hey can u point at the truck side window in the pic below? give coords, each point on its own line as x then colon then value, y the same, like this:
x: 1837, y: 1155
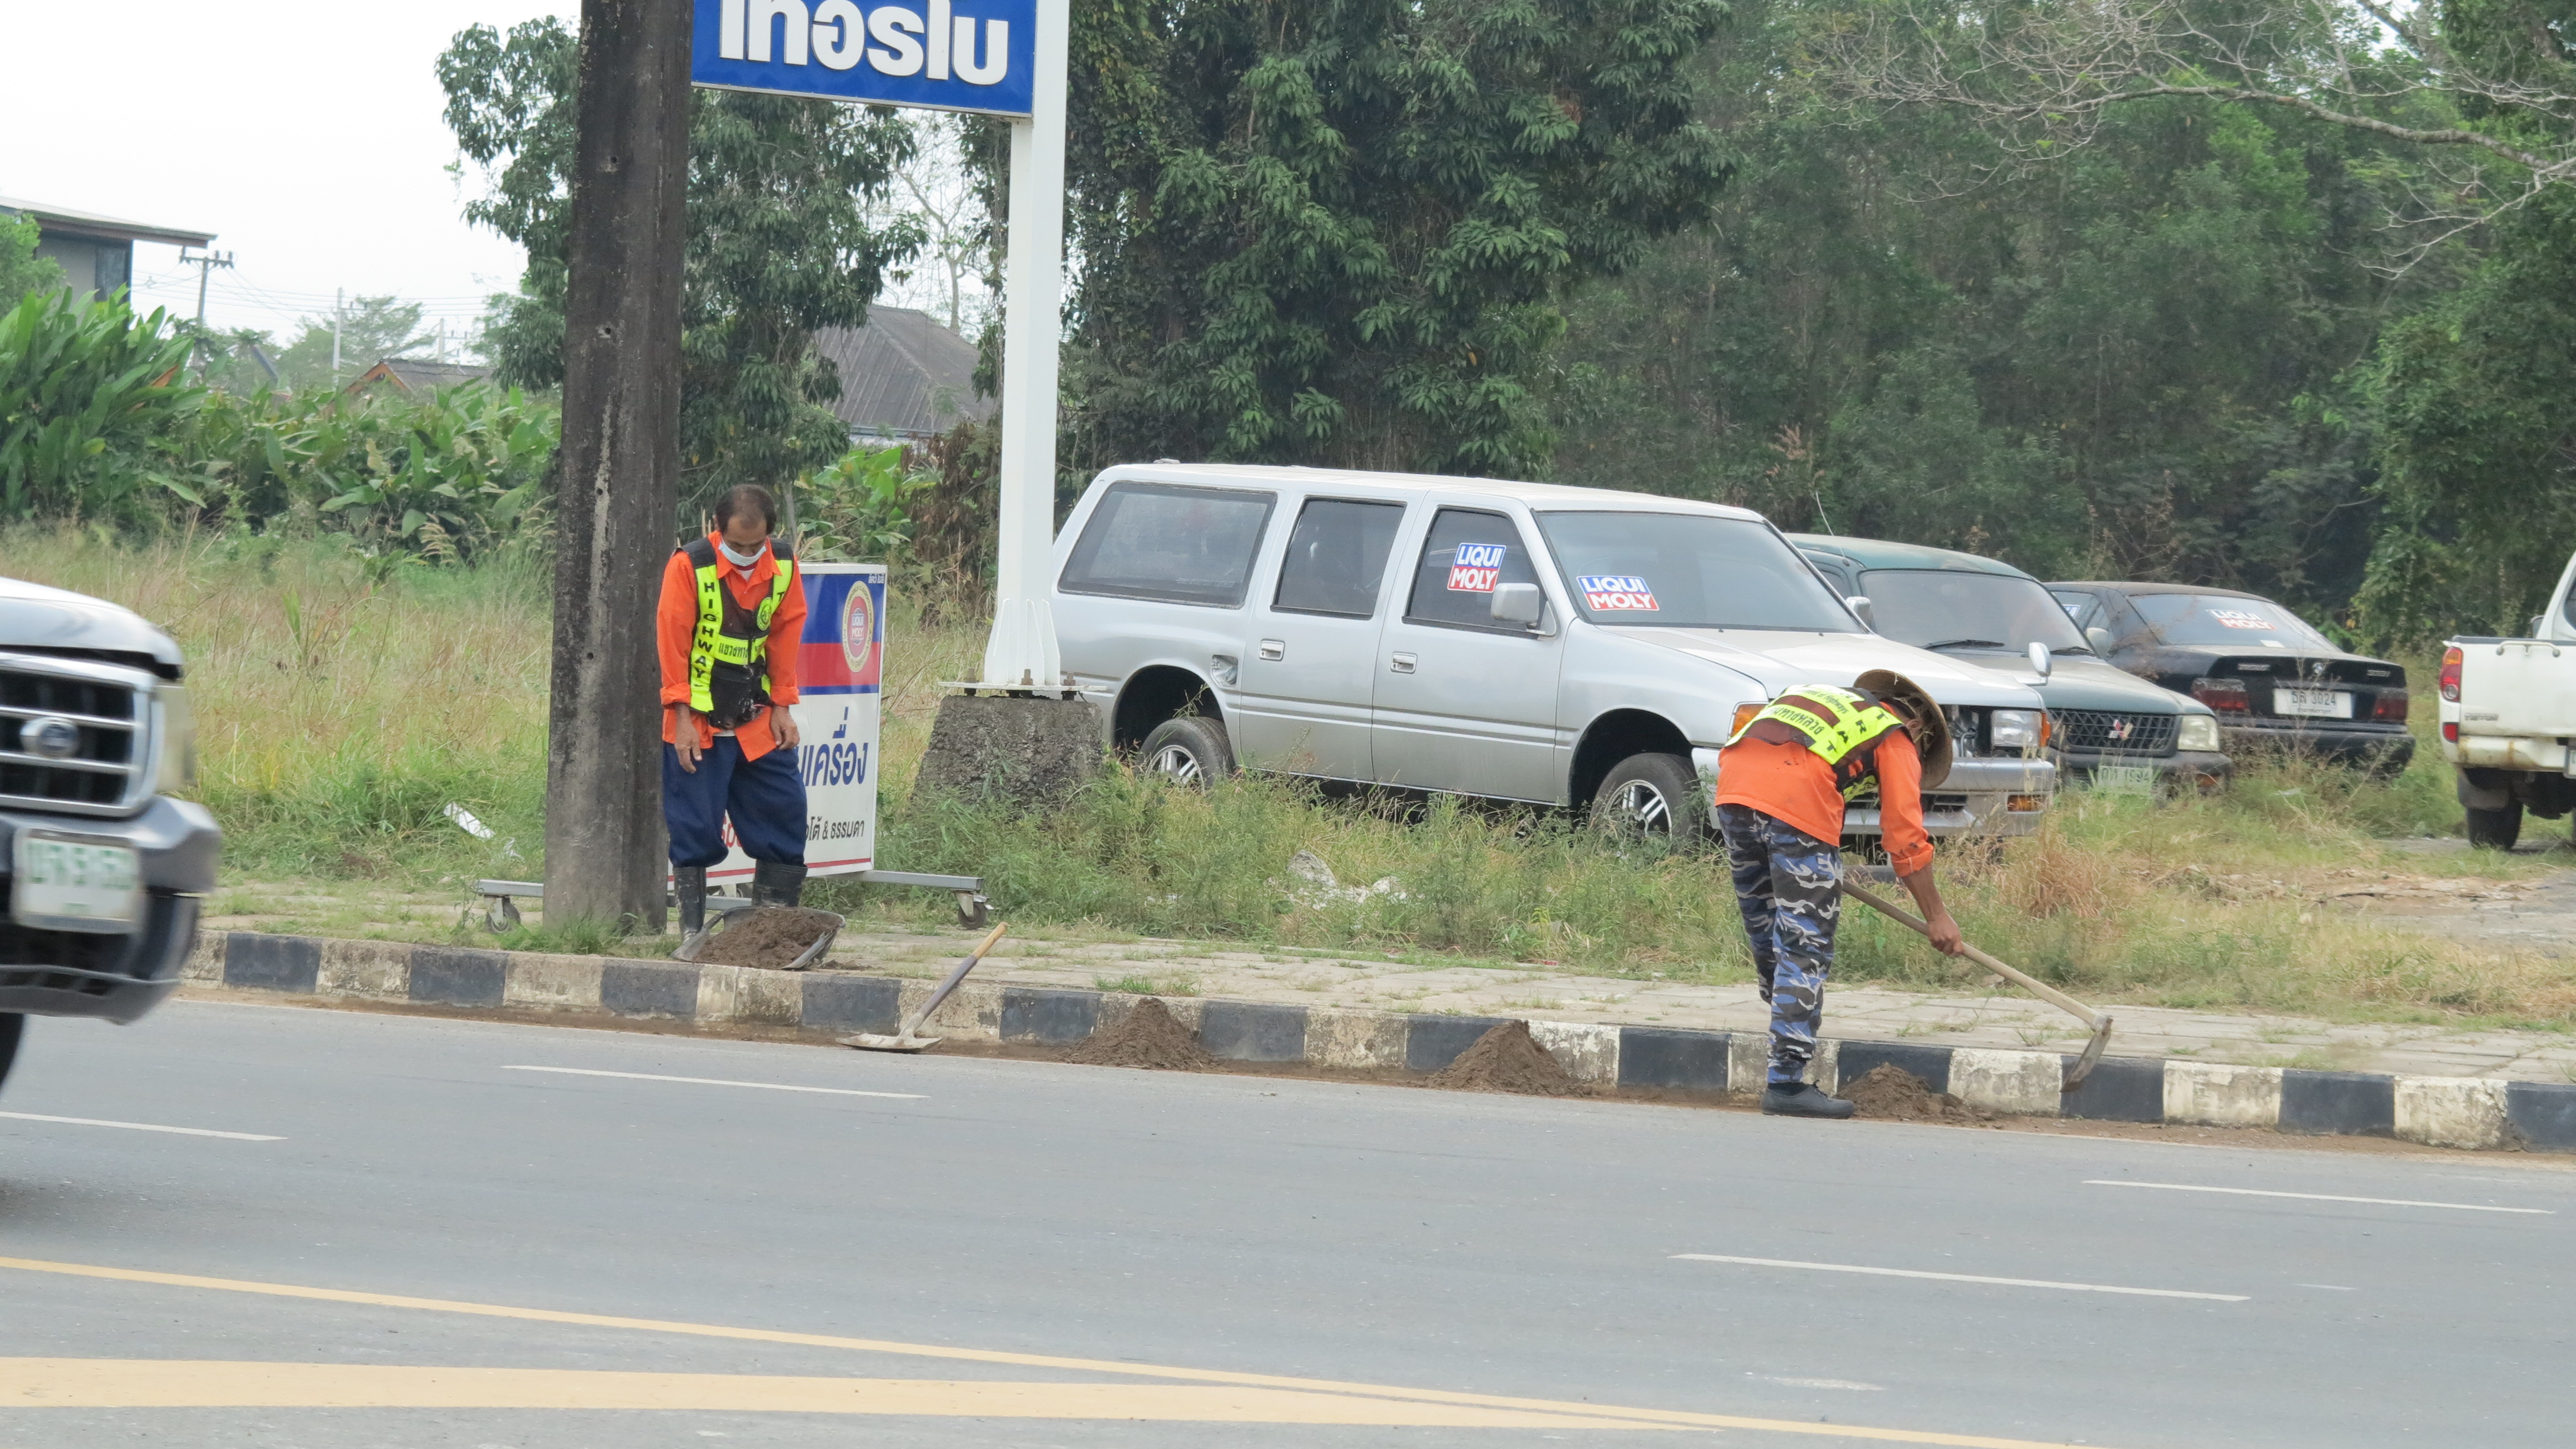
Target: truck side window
x: 1167, y: 541
x: 1336, y: 557
x: 1467, y: 554
x: 2083, y: 608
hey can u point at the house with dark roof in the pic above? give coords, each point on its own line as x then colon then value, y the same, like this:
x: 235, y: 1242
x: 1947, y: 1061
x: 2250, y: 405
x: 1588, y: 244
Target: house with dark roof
x: 413, y: 374
x: 95, y: 252
x: 903, y: 375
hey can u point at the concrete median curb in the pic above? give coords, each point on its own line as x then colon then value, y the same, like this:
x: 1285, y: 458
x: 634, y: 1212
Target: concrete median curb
x: 2466, y: 1112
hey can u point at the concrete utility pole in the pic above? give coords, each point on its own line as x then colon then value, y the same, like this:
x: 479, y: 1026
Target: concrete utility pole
x: 619, y: 462
x: 205, y: 265
x: 339, y: 309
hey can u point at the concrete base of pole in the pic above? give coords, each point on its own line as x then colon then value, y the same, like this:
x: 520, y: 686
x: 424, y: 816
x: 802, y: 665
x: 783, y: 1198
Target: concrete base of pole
x: 1021, y: 751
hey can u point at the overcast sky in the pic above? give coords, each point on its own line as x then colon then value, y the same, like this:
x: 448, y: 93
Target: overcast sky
x: 304, y: 133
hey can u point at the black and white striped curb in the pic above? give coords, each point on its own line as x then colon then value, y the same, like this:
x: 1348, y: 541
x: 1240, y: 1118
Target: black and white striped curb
x: 2469, y: 1112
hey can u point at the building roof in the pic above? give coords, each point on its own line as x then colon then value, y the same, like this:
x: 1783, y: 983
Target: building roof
x: 903, y: 374
x: 413, y: 374
x: 1877, y: 553
x: 106, y: 228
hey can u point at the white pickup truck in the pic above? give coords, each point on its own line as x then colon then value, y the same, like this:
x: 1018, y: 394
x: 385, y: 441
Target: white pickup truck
x: 2508, y: 709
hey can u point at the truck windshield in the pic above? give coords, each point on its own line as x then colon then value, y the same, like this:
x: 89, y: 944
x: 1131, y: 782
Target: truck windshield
x: 1941, y: 606
x: 1689, y: 571
x: 2230, y: 623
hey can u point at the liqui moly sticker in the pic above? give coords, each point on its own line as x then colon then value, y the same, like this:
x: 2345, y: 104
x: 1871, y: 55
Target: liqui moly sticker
x: 2240, y: 619
x: 1613, y: 593
x: 1477, y: 568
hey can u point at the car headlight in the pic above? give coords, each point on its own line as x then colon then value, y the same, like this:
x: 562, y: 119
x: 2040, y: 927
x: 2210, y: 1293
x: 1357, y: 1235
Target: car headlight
x: 2197, y: 732
x: 178, y: 740
x: 2013, y: 729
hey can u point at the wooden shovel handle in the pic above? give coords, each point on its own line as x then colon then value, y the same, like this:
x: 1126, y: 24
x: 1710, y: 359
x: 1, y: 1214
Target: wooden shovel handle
x: 2026, y: 982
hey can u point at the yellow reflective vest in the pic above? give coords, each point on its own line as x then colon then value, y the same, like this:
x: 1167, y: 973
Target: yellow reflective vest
x: 1842, y: 727
x: 729, y: 655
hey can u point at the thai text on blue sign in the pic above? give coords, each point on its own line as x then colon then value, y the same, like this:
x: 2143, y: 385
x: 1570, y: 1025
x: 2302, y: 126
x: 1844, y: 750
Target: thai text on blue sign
x: 950, y: 55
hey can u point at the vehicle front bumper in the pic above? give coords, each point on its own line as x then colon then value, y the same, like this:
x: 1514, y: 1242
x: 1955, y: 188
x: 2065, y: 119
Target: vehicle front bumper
x: 2182, y: 767
x: 1978, y: 798
x: 115, y: 976
x: 2388, y: 747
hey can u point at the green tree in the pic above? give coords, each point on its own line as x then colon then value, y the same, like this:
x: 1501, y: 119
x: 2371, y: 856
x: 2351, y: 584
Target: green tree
x: 779, y: 245
x: 371, y: 329
x: 21, y: 270
x: 92, y: 404
x: 1338, y: 232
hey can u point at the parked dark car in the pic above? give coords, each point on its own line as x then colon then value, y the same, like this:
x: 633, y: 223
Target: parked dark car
x: 2274, y: 681
x: 2105, y: 724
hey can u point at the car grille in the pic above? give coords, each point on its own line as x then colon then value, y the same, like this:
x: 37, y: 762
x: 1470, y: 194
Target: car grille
x: 2115, y: 732
x: 103, y: 772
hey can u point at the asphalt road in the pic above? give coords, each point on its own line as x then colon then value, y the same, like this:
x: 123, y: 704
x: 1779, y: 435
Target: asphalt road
x: 1023, y: 1254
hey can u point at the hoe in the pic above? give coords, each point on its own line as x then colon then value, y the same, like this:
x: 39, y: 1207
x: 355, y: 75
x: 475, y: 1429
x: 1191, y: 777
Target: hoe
x: 2098, y: 1021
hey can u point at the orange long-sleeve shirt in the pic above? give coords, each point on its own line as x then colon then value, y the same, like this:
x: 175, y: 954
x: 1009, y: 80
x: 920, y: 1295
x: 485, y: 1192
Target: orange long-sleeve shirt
x: 1791, y: 782
x: 676, y: 623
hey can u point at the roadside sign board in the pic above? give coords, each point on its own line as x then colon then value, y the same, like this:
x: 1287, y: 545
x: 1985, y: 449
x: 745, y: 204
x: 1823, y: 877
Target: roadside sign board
x: 947, y: 55
x: 840, y: 666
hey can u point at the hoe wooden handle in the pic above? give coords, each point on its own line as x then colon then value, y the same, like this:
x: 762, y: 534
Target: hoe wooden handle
x: 2034, y: 986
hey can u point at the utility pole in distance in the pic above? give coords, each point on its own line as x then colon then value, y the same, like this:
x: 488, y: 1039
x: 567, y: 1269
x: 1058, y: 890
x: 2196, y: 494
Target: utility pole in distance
x: 617, y: 483
x: 205, y: 265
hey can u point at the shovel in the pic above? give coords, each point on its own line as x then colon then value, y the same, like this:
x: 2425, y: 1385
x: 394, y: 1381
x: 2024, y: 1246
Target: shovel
x: 2098, y: 1021
x: 904, y: 1040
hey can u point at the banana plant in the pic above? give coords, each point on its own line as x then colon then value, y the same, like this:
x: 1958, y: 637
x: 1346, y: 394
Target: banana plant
x: 93, y: 408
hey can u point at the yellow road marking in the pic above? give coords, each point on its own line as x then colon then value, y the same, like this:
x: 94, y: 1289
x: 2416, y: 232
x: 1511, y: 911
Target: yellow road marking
x: 1634, y: 1416
x: 107, y: 1383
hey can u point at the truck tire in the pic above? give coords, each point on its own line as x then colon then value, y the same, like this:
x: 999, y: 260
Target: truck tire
x: 1652, y: 796
x: 1188, y: 750
x: 2495, y: 829
x: 13, y: 1027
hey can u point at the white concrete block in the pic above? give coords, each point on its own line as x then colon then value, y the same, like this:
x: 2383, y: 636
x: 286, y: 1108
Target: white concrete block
x: 540, y: 979
x: 2216, y: 1095
x: 1748, y: 1063
x: 1346, y: 1038
x: 2025, y: 1084
x: 2451, y: 1111
x: 1589, y: 1052
x: 364, y: 968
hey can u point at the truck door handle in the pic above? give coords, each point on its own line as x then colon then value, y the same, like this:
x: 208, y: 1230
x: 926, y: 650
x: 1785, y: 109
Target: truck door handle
x: 1401, y: 663
x: 1274, y: 648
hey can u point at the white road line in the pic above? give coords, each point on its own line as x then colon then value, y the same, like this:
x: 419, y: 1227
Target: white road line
x: 2466, y: 1207
x: 1962, y: 1277
x: 720, y: 1082
x: 142, y: 1127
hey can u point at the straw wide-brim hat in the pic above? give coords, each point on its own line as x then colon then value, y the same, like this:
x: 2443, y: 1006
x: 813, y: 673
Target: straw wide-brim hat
x: 1932, y: 728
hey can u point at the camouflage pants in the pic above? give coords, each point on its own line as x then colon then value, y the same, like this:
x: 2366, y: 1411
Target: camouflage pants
x: 1789, y: 885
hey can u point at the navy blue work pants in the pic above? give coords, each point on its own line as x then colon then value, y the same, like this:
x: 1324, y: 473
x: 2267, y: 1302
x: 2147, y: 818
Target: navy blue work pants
x: 766, y: 798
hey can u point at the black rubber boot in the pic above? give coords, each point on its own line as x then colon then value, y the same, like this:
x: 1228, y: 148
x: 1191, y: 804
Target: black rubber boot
x: 689, y: 887
x: 1798, y: 1099
x: 776, y: 883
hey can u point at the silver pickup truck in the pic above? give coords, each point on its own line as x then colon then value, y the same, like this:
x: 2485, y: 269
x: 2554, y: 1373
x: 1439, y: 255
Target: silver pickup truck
x: 1514, y: 641
x: 103, y: 869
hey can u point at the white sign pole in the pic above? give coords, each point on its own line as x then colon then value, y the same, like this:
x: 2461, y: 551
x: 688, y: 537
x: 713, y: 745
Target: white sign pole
x: 1022, y: 651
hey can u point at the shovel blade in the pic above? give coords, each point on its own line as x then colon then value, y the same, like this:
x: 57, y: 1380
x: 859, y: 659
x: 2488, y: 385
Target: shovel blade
x: 868, y: 1041
x: 2092, y: 1056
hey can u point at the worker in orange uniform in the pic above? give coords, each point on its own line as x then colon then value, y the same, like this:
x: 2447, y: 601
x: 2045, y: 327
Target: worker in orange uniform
x: 729, y: 621
x: 1782, y: 783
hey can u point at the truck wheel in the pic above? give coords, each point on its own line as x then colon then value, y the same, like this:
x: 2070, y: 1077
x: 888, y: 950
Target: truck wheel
x: 1189, y: 750
x: 13, y: 1026
x: 1653, y: 796
x: 2495, y: 829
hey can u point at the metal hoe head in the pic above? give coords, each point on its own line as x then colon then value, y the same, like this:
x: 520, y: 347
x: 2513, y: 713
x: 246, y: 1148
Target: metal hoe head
x: 2083, y: 1065
x: 909, y: 1039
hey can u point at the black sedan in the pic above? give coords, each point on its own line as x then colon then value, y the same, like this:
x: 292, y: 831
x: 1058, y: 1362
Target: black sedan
x: 2273, y: 680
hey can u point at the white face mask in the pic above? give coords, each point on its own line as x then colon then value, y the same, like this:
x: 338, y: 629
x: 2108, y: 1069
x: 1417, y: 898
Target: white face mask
x: 742, y: 560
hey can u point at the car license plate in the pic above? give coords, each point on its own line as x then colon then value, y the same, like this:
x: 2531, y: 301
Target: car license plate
x: 68, y: 884
x: 2312, y: 703
x: 2125, y: 779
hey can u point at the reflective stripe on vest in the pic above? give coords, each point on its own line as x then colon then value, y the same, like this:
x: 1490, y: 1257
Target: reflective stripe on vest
x: 712, y: 645
x: 1840, y: 727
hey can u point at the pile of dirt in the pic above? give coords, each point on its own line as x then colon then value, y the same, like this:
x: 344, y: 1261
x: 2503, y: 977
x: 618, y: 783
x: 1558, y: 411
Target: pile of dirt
x: 765, y: 936
x: 1147, y: 1036
x: 1509, y: 1059
x: 1888, y: 1091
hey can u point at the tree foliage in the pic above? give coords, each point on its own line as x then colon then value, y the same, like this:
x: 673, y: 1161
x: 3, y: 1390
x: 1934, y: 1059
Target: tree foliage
x: 370, y: 329
x: 21, y: 270
x: 779, y: 245
x: 1337, y: 232
x: 91, y: 401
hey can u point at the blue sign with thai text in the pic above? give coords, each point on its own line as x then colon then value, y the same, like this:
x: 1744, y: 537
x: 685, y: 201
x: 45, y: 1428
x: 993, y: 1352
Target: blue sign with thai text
x: 948, y: 55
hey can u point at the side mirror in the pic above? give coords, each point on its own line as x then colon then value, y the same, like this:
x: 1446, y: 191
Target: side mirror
x: 1859, y: 604
x: 1517, y: 604
x: 2099, y: 638
x: 2040, y: 659
x: 2539, y: 624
